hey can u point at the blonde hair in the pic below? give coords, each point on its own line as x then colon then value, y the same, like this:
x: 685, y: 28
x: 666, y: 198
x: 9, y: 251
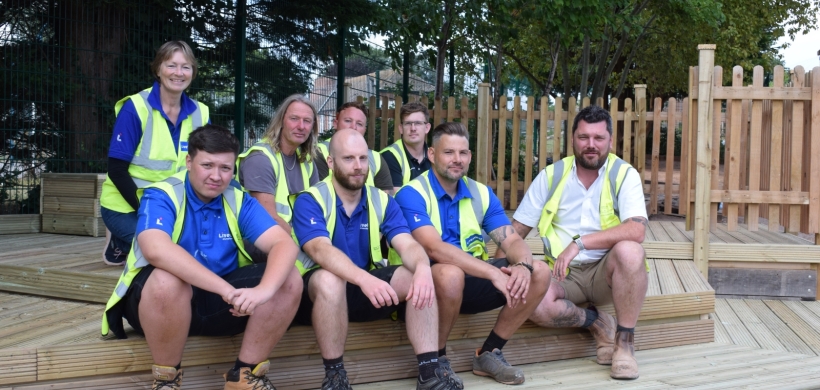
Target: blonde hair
x: 273, y: 133
x: 167, y: 50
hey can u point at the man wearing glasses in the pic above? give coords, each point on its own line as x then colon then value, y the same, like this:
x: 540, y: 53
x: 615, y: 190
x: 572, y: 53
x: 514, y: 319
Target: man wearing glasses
x: 407, y: 157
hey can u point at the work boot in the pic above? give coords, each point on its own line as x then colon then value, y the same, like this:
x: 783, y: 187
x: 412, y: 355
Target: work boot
x: 166, y: 378
x: 603, y: 330
x: 336, y: 379
x: 247, y: 378
x: 624, y: 364
x: 494, y: 365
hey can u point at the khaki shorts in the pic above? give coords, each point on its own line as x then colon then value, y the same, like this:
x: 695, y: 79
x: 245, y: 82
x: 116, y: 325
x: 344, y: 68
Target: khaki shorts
x: 587, y: 283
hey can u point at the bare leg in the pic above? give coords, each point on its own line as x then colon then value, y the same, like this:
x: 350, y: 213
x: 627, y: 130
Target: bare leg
x: 556, y: 312
x: 510, y: 319
x: 270, y: 320
x: 449, y: 282
x: 165, y: 316
x: 422, y: 324
x: 626, y: 273
x: 328, y: 293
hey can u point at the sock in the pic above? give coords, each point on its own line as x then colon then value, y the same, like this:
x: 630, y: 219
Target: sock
x: 178, y: 366
x: 334, y: 364
x: 239, y: 364
x: 443, y: 351
x: 493, y: 341
x: 592, y: 315
x: 428, y: 362
x: 627, y: 330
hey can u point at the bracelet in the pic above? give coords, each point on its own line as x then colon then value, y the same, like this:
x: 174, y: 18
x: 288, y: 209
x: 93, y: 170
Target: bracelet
x: 525, y: 265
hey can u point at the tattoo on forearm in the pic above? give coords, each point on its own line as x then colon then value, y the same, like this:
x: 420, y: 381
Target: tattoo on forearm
x: 640, y: 220
x: 501, y: 234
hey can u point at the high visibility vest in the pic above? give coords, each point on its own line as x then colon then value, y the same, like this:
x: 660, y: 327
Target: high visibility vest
x: 325, y: 195
x: 174, y: 187
x: 156, y: 157
x: 471, y: 214
x: 614, y: 175
x: 282, y: 192
x: 374, y: 161
x: 397, y: 150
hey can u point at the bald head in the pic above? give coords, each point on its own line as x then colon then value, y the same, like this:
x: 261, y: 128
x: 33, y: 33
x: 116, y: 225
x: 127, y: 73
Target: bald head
x: 347, y: 141
x: 347, y: 158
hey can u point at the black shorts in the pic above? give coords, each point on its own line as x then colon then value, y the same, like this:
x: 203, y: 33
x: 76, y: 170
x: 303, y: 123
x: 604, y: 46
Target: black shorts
x: 359, y: 307
x: 210, y: 315
x: 480, y: 295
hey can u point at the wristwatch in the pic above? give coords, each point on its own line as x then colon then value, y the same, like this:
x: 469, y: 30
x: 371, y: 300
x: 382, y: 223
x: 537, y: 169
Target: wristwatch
x: 577, y: 240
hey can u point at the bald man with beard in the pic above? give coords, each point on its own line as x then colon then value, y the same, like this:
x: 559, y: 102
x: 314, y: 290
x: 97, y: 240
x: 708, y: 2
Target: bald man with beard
x: 339, y: 223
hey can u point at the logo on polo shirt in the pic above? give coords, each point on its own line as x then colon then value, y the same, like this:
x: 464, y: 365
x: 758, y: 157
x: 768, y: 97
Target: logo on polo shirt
x: 225, y: 236
x: 119, y: 137
x: 363, y: 226
x: 159, y: 221
x: 416, y: 218
x: 183, y: 146
x: 312, y: 222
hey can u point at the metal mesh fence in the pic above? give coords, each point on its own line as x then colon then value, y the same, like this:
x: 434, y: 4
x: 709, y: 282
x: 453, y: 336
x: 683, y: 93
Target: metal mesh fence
x: 67, y: 62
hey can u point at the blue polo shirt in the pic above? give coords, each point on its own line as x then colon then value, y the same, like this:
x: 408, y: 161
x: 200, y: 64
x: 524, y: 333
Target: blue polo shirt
x: 415, y: 211
x: 351, y: 234
x: 128, y: 128
x: 205, y: 234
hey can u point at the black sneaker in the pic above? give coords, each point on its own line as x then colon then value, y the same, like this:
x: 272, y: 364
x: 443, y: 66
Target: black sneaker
x: 441, y: 381
x: 113, y: 255
x: 336, y: 380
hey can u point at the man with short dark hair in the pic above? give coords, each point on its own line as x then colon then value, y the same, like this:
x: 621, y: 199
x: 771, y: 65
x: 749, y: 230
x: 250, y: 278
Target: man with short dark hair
x: 189, y: 272
x: 339, y: 223
x: 590, y: 212
x: 407, y: 157
x: 353, y: 115
x: 447, y: 213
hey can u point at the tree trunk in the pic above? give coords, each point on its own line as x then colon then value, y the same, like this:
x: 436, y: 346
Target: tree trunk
x: 584, y: 68
x: 90, y: 38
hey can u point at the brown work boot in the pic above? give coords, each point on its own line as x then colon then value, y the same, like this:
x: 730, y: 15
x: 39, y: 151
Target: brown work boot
x: 603, y: 330
x: 166, y: 378
x: 246, y: 378
x: 624, y: 365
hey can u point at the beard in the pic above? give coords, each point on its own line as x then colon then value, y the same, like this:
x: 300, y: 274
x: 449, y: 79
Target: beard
x: 347, y: 182
x: 446, y: 174
x: 594, y: 164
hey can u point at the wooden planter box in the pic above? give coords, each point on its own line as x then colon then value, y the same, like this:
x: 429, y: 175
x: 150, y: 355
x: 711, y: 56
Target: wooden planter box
x: 70, y: 203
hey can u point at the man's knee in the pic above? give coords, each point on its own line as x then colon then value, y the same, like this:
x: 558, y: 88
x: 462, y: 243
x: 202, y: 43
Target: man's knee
x: 293, y: 285
x: 551, y: 306
x: 541, y: 272
x: 162, y: 286
x: 449, y: 281
x: 629, y: 255
x: 326, y: 286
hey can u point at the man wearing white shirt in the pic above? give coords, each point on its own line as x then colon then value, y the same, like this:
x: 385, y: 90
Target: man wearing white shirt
x: 590, y: 212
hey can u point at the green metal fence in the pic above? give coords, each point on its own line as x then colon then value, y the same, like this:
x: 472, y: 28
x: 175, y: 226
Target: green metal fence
x: 66, y: 63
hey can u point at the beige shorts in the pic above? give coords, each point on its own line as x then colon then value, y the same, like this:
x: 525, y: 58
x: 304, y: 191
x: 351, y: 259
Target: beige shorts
x: 587, y: 283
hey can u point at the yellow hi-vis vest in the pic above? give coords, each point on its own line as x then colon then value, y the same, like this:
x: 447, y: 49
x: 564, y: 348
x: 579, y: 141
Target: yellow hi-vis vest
x: 156, y: 157
x: 174, y: 187
x: 397, y: 150
x: 374, y: 161
x: 471, y: 213
x: 608, y: 207
x: 282, y: 192
x: 325, y: 195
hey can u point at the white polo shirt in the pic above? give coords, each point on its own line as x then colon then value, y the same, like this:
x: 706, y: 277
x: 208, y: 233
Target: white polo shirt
x: 578, y: 210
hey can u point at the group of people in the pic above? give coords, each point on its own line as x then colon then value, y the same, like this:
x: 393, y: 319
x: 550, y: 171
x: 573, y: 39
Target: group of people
x: 218, y: 241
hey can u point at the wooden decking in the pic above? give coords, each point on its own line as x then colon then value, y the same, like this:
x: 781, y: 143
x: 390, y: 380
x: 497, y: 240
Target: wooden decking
x: 758, y: 345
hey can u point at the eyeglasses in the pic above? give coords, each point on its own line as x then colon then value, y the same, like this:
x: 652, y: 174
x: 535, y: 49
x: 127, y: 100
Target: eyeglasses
x: 410, y: 125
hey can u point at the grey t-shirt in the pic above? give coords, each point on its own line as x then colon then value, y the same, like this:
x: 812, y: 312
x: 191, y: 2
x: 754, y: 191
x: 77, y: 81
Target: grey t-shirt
x: 256, y: 174
x: 382, y: 180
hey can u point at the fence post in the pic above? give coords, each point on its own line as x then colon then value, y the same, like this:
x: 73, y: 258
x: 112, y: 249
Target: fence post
x: 239, y: 75
x: 482, y: 152
x: 703, y: 171
x: 640, y: 133
x: 348, y: 95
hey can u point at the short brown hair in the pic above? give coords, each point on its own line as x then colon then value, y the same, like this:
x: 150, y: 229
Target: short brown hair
x: 212, y: 139
x: 359, y: 106
x: 450, y: 128
x: 412, y: 108
x: 167, y: 50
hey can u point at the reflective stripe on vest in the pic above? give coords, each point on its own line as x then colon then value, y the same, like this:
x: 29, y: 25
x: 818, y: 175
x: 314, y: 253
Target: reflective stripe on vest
x: 174, y: 187
x: 282, y: 191
x: 156, y: 157
x: 608, y: 205
x: 326, y: 197
x: 397, y: 150
x: 471, y: 214
x: 374, y: 161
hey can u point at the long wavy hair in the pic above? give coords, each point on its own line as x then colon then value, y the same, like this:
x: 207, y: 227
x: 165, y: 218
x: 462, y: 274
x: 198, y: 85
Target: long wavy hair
x: 273, y: 133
